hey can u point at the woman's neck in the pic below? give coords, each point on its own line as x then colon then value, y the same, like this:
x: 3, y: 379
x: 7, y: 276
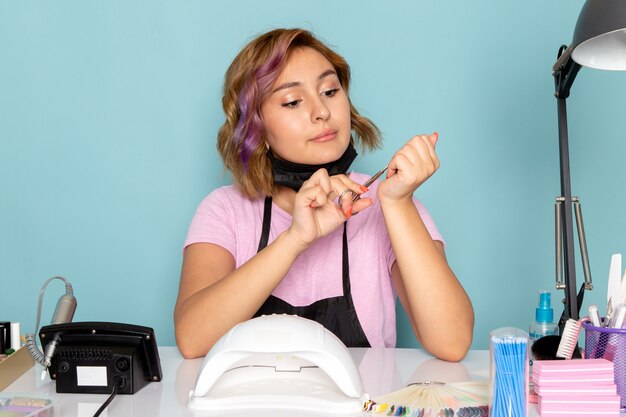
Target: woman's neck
x: 285, y: 199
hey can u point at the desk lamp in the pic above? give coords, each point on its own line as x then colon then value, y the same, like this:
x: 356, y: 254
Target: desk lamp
x: 599, y: 42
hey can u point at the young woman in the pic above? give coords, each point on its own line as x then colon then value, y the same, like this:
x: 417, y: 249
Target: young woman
x: 291, y: 236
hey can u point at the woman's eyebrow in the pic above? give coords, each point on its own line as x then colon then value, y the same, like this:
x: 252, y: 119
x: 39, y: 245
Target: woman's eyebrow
x: 286, y: 85
x: 327, y: 73
x: 297, y: 83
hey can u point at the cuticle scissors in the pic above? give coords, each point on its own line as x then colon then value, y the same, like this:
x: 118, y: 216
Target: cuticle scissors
x: 369, y: 182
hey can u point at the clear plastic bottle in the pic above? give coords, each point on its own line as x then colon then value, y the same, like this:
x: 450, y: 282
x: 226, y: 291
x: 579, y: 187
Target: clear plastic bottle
x: 544, y: 324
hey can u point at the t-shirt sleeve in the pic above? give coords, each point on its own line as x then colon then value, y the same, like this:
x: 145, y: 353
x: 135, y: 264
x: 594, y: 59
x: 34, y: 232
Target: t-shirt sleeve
x: 213, y: 222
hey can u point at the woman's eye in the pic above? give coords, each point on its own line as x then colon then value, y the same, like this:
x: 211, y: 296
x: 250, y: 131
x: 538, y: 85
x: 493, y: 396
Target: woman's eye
x: 291, y: 104
x: 331, y: 92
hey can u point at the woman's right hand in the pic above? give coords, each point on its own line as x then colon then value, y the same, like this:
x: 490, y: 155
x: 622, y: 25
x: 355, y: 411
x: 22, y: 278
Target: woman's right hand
x: 317, y: 211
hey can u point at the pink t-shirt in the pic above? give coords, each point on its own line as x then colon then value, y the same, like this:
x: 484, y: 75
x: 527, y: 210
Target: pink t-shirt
x: 229, y: 219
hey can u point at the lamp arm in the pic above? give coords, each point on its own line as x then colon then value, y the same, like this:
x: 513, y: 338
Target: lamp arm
x: 564, y: 70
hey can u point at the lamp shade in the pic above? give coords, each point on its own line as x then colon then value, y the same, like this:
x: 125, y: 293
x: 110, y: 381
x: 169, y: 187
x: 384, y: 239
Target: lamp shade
x: 600, y: 35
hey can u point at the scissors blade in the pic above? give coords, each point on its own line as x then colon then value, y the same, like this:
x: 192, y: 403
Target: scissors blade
x: 370, y: 182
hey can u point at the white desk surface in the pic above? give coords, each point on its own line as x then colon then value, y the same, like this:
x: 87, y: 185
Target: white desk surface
x: 382, y: 371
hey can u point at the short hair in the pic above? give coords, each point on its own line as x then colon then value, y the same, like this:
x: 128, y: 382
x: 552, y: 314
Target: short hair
x: 247, y: 83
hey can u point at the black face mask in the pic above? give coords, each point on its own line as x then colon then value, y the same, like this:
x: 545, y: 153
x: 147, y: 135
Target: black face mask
x: 292, y: 175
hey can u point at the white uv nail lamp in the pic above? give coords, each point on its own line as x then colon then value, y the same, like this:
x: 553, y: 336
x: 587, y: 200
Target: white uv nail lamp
x: 278, y: 362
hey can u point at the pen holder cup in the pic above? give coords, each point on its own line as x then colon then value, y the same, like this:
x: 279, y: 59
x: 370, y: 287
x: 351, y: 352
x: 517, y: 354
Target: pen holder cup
x: 607, y: 343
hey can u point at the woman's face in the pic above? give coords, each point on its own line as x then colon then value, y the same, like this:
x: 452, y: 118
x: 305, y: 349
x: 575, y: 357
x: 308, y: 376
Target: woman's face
x: 307, y: 114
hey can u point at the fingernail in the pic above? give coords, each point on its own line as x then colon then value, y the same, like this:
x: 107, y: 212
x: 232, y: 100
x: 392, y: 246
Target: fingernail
x: 348, y: 212
x: 436, y: 135
x: 363, y: 188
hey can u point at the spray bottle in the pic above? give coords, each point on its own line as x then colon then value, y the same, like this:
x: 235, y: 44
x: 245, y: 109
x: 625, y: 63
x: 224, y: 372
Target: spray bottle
x: 544, y: 324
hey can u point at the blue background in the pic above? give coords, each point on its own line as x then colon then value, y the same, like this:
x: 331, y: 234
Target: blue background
x: 109, y: 113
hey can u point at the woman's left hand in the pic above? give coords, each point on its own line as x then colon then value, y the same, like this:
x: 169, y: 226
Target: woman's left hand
x: 409, y: 167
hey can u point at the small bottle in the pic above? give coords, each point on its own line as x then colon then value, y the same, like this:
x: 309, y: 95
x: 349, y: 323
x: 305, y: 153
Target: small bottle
x: 544, y: 316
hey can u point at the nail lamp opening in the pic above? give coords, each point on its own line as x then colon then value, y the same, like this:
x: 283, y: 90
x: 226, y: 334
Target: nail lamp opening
x: 278, y: 362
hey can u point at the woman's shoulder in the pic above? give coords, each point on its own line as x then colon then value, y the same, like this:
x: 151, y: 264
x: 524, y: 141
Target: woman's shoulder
x: 228, y: 195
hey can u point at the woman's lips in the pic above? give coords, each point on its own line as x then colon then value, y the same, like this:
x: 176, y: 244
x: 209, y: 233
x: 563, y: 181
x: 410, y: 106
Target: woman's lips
x: 325, y: 136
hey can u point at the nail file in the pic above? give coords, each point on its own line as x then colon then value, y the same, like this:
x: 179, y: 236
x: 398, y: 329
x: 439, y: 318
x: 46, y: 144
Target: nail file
x: 622, y: 297
x: 615, y: 275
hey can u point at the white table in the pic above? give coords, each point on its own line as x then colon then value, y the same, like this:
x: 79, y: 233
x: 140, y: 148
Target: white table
x: 382, y: 371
